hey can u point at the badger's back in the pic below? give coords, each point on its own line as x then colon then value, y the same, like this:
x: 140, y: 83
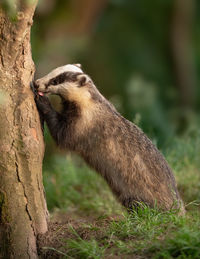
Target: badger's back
x: 128, y: 160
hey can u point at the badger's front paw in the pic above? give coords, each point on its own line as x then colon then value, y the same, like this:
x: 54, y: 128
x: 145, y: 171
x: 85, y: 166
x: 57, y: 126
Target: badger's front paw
x: 43, y: 104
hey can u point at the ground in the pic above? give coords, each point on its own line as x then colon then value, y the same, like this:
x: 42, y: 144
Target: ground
x: 88, y: 222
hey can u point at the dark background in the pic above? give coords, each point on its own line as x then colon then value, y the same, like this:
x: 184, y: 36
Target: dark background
x: 144, y: 56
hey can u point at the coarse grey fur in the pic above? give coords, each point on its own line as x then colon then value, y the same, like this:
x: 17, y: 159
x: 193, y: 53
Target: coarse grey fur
x: 116, y: 148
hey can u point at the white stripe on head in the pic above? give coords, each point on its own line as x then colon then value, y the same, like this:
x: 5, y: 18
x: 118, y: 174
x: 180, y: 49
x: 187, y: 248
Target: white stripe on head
x: 56, y: 72
x: 60, y: 70
x: 71, y: 68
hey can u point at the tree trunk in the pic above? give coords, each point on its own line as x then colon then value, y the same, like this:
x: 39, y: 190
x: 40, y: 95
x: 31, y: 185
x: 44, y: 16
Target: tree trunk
x: 23, y: 211
x: 181, y: 42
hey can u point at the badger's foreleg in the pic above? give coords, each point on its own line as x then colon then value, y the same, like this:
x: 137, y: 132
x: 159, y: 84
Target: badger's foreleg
x: 53, y: 119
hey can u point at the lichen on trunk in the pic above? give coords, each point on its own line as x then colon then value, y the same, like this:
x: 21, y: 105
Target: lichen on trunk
x: 23, y: 211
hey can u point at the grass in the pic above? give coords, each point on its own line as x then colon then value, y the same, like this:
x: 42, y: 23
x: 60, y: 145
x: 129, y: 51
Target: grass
x: 98, y: 227
x: 84, y: 248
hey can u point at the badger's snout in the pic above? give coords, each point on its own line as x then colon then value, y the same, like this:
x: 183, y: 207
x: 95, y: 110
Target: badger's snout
x: 37, y: 88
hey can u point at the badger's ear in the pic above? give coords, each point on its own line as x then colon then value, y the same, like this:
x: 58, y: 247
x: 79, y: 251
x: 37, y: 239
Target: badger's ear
x: 78, y: 65
x: 83, y: 80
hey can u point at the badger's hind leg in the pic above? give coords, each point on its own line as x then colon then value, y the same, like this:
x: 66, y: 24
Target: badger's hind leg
x: 133, y: 204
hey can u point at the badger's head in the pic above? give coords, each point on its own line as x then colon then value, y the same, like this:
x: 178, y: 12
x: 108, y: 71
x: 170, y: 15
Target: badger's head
x: 68, y: 81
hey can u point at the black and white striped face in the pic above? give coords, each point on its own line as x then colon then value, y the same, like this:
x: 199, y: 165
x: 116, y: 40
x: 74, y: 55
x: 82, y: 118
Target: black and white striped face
x: 63, y: 81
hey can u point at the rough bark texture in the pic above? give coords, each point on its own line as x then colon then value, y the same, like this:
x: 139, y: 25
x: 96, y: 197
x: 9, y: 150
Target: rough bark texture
x: 23, y: 211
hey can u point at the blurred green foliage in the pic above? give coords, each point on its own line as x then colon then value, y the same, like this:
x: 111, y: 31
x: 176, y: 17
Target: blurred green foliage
x: 12, y: 6
x: 126, y: 47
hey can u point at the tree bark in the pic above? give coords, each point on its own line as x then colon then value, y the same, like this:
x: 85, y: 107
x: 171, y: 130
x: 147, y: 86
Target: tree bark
x: 23, y: 211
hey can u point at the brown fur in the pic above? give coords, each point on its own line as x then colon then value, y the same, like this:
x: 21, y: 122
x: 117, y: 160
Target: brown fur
x: 116, y: 148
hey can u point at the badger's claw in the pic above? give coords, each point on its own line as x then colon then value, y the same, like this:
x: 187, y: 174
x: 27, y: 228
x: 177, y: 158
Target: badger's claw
x: 43, y: 104
x: 33, y: 89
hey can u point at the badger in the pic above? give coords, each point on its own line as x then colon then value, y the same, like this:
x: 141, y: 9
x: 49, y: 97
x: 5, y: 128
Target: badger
x: 90, y: 126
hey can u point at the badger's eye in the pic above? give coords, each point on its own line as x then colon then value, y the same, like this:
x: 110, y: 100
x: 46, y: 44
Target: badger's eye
x: 56, y: 81
x: 59, y: 79
x: 64, y: 77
